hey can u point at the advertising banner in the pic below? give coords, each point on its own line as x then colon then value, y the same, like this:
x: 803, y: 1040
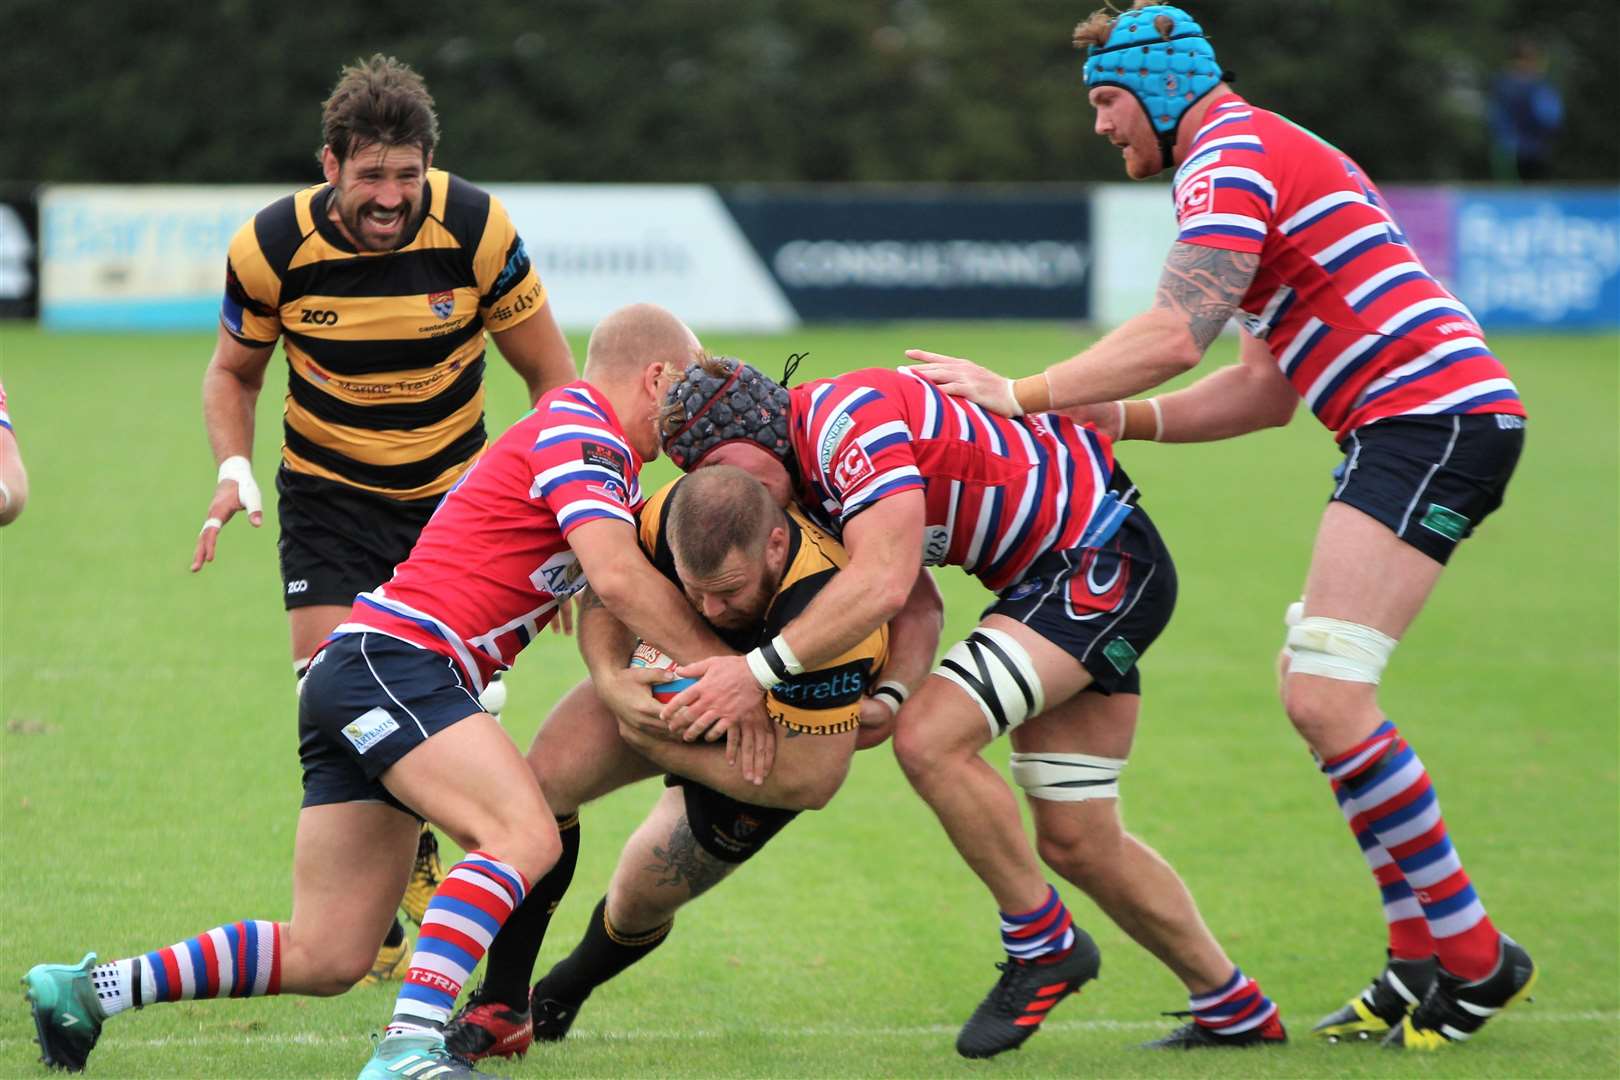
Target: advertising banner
x: 601, y: 246
x: 19, y: 252
x: 139, y: 257
x: 1532, y: 259
x: 923, y: 253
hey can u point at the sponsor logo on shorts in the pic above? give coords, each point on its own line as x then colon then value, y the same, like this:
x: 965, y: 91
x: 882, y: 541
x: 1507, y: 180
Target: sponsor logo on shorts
x: 441, y: 304
x: 1027, y: 587
x: 561, y: 575
x: 1120, y: 653
x: 1445, y: 521
x: 296, y: 587
x: 369, y: 728
x: 1505, y: 422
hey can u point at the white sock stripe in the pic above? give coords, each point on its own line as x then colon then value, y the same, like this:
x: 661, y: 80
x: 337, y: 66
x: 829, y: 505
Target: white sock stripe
x: 439, y: 964
x: 421, y: 1009
x: 1377, y: 856
x: 458, y: 923
x: 1435, y: 872
x: 1407, y: 907
x: 1459, y: 922
x: 1367, y: 802
x: 1409, y: 830
x: 226, y: 961
x: 267, y: 957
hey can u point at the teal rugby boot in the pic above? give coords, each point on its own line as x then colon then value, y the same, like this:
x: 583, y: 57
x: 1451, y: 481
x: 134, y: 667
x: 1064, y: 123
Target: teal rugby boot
x: 420, y: 1057
x: 67, y: 1014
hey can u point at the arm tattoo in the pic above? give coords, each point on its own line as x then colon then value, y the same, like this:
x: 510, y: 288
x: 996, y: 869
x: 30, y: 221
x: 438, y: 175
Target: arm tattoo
x: 1205, y: 285
x: 683, y: 863
x: 588, y: 600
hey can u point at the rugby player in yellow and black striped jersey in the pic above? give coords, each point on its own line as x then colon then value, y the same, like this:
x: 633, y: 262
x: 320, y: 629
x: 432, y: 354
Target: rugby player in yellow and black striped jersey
x: 380, y: 283
x: 746, y: 566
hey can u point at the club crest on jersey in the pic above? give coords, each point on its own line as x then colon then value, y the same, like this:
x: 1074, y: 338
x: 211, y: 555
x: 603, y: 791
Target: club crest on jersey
x: 610, y: 489
x: 1194, y: 196
x: 853, y: 467
x: 442, y: 304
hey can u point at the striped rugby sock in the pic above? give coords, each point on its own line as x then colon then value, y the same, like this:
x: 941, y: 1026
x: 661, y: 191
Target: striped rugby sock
x: 465, y: 914
x: 241, y: 959
x: 1391, y: 791
x: 1238, y: 1006
x: 1409, y: 937
x: 1046, y: 933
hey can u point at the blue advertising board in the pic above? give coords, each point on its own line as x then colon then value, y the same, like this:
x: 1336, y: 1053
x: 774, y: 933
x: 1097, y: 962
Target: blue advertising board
x: 1539, y: 259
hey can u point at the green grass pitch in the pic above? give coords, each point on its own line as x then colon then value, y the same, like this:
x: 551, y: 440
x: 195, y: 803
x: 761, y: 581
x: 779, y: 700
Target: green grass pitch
x: 150, y: 782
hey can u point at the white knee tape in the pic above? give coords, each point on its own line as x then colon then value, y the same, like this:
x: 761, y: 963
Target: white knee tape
x: 1067, y: 777
x: 1335, y: 649
x: 1291, y: 618
x: 998, y: 675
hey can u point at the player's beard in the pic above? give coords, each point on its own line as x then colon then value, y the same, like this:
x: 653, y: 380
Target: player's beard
x: 366, y: 235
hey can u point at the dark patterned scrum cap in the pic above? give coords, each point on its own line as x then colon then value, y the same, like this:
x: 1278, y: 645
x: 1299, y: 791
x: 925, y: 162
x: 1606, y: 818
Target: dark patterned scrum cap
x: 719, y: 400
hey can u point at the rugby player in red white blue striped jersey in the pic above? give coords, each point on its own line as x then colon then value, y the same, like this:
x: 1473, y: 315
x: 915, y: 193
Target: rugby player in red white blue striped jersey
x: 1285, y: 232
x: 390, y: 727
x: 13, y: 477
x: 1039, y: 511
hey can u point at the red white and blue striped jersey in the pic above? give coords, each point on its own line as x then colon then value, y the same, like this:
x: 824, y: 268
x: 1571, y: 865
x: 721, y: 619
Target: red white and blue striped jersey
x: 5, y: 417
x: 999, y: 492
x: 491, y: 565
x: 1360, y: 328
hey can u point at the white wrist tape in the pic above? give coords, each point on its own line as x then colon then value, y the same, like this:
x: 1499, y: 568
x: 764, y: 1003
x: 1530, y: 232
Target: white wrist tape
x: 761, y: 669
x: 891, y: 694
x: 1158, y: 419
x: 779, y: 643
x: 1014, y: 409
x: 238, y: 468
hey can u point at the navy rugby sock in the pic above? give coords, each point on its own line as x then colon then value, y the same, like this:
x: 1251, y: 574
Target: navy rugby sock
x: 601, y: 954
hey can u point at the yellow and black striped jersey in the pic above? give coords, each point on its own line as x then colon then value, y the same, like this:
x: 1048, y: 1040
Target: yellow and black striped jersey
x: 823, y: 701
x: 385, y: 350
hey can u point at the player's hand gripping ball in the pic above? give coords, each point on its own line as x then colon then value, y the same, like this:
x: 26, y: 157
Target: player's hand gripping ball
x: 646, y: 655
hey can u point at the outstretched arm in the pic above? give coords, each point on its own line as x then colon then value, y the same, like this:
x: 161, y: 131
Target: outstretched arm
x: 1198, y: 291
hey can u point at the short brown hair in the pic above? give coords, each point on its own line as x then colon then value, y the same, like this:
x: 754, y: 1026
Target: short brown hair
x: 379, y: 100
x: 717, y: 510
x: 1094, y: 31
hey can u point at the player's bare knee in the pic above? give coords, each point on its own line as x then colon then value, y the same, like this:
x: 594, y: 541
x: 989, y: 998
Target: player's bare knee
x: 530, y: 847
x: 1083, y: 856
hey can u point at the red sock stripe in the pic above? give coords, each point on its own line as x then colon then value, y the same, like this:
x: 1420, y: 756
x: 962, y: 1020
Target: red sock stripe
x: 459, y: 888
x: 1400, y: 799
x: 210, y: 972
x: 1035, y: 929
x: 1409, y: 939
x: 241, y: 989
x: 1421, y: 842
x: 1392, y: 738
x: 1446, y: 887
x: 471, y: 862
x: 444, y: 932
x: 171, y: 968
x: 1388, y: 874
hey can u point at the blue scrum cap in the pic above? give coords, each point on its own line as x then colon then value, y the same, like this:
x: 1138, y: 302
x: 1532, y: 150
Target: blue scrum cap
x: 1162, y: 57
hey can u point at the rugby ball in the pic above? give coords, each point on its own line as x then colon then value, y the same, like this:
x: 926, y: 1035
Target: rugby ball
x: 646, y: 655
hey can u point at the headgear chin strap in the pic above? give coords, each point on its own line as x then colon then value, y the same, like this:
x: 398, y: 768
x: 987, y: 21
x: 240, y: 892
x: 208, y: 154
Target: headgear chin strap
x: 1167, y: 73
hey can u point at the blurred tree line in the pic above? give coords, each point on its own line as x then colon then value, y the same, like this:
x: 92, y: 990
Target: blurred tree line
x: 758, y: 90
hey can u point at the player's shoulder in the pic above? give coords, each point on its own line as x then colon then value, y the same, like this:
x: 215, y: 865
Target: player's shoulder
x: 276, y: 232
x: 464, y: 208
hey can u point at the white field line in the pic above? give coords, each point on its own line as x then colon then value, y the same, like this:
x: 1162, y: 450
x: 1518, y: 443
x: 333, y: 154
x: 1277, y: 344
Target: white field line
x: 812, y: 1031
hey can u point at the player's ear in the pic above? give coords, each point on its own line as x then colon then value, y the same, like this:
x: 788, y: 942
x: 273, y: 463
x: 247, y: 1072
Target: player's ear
x: 330, y: 165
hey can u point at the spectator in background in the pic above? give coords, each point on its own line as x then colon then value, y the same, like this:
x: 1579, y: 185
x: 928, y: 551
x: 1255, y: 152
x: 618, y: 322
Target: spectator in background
x: 1526, y: 113
x: 13, y: 477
